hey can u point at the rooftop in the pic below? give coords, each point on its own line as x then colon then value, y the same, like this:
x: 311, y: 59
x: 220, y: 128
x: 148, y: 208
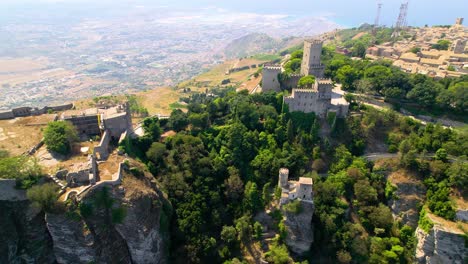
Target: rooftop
x: 86, y: 112
x: 304, y: 180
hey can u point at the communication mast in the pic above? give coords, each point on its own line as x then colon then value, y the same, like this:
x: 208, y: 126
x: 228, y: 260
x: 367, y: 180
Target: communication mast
x: 401, y: 21
x: 377, y: 18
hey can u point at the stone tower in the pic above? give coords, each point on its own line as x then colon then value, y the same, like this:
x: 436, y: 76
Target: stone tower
x: 283, y: 178
x: 311, y: 64
x: 459, y: 46
x: 324, y: 88
x: 459, y: 21
x: 270, y: 80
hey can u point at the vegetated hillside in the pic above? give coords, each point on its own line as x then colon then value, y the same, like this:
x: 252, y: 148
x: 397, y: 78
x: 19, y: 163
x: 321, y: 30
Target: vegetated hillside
x: 257, y: 43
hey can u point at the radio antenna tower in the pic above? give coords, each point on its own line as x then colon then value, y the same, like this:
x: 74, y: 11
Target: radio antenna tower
x: 401, y: 21
x: 377, y: 18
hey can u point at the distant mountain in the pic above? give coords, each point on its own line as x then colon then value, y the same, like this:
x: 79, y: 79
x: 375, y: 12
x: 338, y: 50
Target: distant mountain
x: 256, y: 43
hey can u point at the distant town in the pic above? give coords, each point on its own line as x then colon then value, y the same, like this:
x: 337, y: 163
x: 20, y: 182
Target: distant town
x: 438, y: 52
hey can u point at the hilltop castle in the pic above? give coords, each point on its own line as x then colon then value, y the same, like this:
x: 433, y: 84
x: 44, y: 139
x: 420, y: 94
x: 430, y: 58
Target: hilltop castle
x: 291, y: 190
x: 320, y: 98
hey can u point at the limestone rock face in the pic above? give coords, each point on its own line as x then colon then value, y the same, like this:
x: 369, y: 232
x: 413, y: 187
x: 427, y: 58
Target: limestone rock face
x: 23, y: 234
x: 145, y: 243
x: 462, y: 215
x: 405, y: 207
x: 440, y: 246
x: 137, y: 239
x: 300, y: 234
x: 73, y: 242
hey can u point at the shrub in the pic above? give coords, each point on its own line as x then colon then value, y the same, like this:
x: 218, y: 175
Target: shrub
x: 86, y: 209
x: 59, y: 135
x: 294, y: 207
x: 43, y: 196
x: 118, y: 215
x: 424, y: 222
x: 278, y: 254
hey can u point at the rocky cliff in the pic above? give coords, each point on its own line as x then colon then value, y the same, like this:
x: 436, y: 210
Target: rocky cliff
x: 23, y: 233
x: 408, y: 197
x: 70, y: 235
x: 300, y: 234
x: 440, y: 246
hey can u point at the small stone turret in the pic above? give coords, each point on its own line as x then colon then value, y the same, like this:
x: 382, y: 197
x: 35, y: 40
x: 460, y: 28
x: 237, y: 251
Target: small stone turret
x: 270, y: 81
x: 283, y: 178
x: 324, y: 88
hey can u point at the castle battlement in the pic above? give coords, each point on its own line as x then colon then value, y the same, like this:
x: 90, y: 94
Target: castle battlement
x: 272, y: 67
x: 304, y: 91
x: 314, y: 41
x: 296, y: 75
x: 325, y: 81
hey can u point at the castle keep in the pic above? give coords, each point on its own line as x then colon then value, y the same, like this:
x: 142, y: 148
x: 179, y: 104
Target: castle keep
x: 311, y: 64
x: 321, y: 100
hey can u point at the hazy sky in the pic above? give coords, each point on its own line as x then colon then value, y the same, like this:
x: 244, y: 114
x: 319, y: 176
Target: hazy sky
x: 343, y: 12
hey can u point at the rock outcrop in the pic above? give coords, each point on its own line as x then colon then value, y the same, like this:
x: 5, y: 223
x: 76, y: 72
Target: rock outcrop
x: 23, y: 234
x: 409, y: 195
x: 440, y: 246
x: 139, y: 238
x: 300, y: 234
x: 73, y: 242
x: 27, y: 235
x: 462, y: 215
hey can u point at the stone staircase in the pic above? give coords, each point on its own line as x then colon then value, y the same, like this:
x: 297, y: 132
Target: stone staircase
x: 58, y: 182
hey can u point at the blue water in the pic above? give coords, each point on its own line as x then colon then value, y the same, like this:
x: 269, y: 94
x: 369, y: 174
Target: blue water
x: 344, y: 12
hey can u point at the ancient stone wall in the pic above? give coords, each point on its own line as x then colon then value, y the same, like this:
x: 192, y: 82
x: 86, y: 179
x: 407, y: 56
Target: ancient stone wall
x: 307, y: 101
x: 7, y: 115
x: 28, y: 111
x: 291, y: 82
x: 101, y: 151
x: 270, y: 80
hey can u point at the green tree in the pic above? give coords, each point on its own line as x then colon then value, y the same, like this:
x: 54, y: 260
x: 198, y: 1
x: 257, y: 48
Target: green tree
x: 178, y: 120
x: 156, y: 153
x: 257, y: 230
x: 290, y: 130
x: 306, y: 81
x: 381, y: 217
x: 458, y: 173
x: 243, y: 227
x: 20, y: 168
x: 234, y: 185
x: 441, y: 154
x: 424, y: 93
x: 43, y: 196
x: 252, y: 199
x: 442, y: 44
x: 59, y: 135
x: 152, y: 128
x: 229, y: 234
x: 266, y: 194
x: 278, y: 254
x: 347, y: 75
x: 293, y: 66
x: 297, y: 54
x: 415, y: 50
